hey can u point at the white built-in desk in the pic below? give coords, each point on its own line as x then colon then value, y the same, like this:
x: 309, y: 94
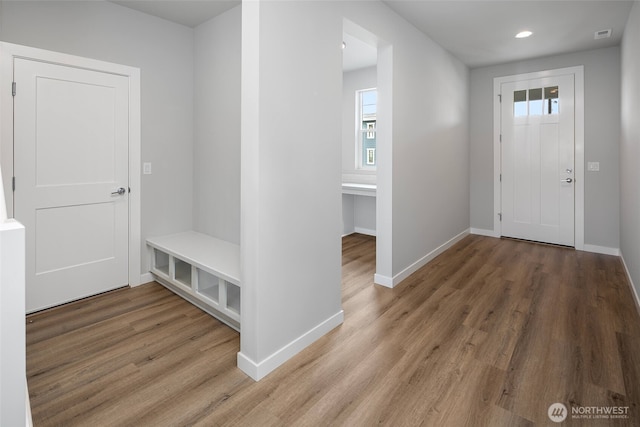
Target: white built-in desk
x: 359, y: 189
x: 202, y: 269
x: 358, y: 208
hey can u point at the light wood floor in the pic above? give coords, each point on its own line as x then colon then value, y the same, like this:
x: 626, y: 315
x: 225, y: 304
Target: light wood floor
x: 490, y: 333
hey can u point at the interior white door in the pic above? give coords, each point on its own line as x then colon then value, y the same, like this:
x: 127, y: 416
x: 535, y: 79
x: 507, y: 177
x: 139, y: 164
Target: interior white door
x: 537, y: 128
x: 71, y: 172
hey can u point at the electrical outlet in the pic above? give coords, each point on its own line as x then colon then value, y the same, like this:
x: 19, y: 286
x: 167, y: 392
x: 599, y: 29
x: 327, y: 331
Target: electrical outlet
x: 146, y: 168
x: 593, y: 166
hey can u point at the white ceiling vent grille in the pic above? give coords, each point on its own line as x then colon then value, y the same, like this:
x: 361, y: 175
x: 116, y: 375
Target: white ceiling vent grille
x: 602, y: 34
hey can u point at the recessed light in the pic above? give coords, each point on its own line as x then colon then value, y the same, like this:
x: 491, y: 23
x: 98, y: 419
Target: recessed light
x: 523, y: 34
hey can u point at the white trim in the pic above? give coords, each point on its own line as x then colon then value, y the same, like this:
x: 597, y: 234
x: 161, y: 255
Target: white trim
x: 484, y: 232
x: 366, y: 231
x: 601, y: 250
x: 27, y: 404
x: 258, y: 370
x: 135, y: 185
x: 384, y: 174
x: 392, y: 282
x: 497, y: 156
x: 578, y: 225
x: 8, y: 52
x: 381, y: 280
x: 6, y: 123
x: 633, y: 288
x: 578, y: 73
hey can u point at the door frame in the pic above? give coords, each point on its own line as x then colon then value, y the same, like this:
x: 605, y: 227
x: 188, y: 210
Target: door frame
x: 578, y: 75
x: 10, y: 51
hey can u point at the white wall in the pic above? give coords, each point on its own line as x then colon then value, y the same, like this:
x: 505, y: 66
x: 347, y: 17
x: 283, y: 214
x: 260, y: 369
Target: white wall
x: 602, y: 137
x: 348, y: 226
x: 353, y: 81
x: 164, y: 53
x: 13, y: 403
x: 630, y: 148
x: 291, y: 198
x: 290, y: 217
x: 290, y: 228
x: 424, y: 187
x: 364, y: 215
x: 216, y: 151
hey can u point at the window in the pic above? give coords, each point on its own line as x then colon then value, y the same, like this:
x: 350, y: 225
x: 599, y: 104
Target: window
x: 366, y: 102
x: 551, y: 100
x: 520, y: 103
x: 532, y: 102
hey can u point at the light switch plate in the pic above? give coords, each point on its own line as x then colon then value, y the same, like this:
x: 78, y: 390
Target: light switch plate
x: 146, y: 168
x: 593, y: 166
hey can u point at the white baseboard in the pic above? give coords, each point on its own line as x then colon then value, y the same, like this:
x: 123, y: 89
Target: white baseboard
x: 633, y: 288
x: 366, y: 231
x: 146, y: 278
x: 587, y: 248
x: 483, y: 232
x: 601, y: 250
x: 392, y: 282
x: 258, y: 370
x: 385, y: 281
x: 27, y: 407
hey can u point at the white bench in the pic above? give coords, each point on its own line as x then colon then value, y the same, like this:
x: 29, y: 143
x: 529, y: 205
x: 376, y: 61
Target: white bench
x: 202, y: 269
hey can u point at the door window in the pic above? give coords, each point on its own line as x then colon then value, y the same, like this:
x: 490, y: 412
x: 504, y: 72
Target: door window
x: 532, y: 102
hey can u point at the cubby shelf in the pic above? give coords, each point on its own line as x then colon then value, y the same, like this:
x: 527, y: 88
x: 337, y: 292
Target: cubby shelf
x: 202, y: 269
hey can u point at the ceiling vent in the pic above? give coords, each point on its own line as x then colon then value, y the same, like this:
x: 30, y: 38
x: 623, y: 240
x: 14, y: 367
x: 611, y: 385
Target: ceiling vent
x: 602, y: 34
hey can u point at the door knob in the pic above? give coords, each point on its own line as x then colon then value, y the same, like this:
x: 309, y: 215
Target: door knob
x: 120, y: 191
x: 569, y: 180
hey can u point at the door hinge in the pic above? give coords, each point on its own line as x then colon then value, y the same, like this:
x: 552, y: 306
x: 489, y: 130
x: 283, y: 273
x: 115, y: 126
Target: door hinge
x: 13, y: 89
x: 500, y: 177
x: 500, y: 216
x: 13, y: 183
x: 500, y: 97
x: 500, y: 137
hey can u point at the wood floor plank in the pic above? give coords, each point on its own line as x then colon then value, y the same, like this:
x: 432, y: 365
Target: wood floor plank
x: 489, y: 333
x: 629, y: 349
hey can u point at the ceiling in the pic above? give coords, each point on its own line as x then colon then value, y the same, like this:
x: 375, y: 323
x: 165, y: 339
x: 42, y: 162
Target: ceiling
x: 483, y: 32
x: 357, y: 54
x: 186, y: 12
x: 478, y: 32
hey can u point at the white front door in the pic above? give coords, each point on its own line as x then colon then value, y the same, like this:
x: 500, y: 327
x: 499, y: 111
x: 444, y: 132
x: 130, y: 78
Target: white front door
x: 70, y: 160
x: 537, y: 159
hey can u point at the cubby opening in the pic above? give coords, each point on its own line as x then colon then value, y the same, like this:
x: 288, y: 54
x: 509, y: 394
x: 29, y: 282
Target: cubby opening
x: 161, y: 262
x: 233, y: 298
x: 183, y: 273
x: 208, y: 285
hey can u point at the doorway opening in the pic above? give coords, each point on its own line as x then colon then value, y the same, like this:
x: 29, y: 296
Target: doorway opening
x: 367, y: 142
x: 359, y: 107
